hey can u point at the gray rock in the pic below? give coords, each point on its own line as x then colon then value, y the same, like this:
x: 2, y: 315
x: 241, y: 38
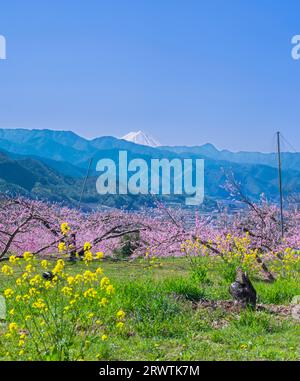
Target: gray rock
x: 2, y: 308
x: 242, y: 290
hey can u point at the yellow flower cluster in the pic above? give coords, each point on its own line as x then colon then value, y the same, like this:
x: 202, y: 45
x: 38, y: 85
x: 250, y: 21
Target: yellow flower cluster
x: 7, y: 270
x: 121, y: 315
x: 87, y: 246
x: 43, y: 309
x: 287, y: 263
x: 99, y: 255
x: 59, y: 267
x: 194, y: 247
x: 65, y: 228
x: 13, y: 259
x: 8, y: 293
x: 40, y: 304
x: 12, y: 327
x: 233, y: 250
x: 120, y: 320
x: 27, y: 256
x: 238, y: 251
x: 152, y: 260
x: 62, y: 247
x: 88, y: 256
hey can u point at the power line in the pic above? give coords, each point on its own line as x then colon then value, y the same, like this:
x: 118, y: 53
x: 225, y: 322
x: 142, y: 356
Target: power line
x: 280, y: 183
x: 85, y: 181
x: 289, y: 144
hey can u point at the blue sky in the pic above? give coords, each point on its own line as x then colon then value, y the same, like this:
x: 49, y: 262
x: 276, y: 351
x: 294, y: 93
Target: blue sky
x: 188, y: 72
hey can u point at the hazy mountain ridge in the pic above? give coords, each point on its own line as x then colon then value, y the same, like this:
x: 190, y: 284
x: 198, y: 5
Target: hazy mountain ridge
x: 289, y: 160
x: 51, y: 164
x: 70, y: 147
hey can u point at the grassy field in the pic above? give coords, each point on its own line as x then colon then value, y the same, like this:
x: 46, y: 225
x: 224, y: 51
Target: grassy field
x: 165, y: 321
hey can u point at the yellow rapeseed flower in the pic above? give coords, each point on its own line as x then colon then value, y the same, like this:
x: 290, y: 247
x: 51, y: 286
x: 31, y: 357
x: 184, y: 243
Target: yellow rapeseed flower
x: 33, y: 291
x: 58, y: 269
x: 70, y: 280
x: 29, y: 268
x: 110, y: 289
x: 26, y: 298
x: 121, y: 315
x: 36, y: 280
x: 103, y: 302
x: 87, y: 246
x: 7, y: 270
x: 89, y: 276
x: 12, y: 327
x: 13, y: 259
x: 48, y: 284
x: 88, y: 256
x: 27, y: 256
x: 104, y: 282
x: 44, y: 264
x: 120, y: 325
x: 78, y: 278
x: 40, y: 305
x: 65, y: 228
x: 62, y: 247
x: 67, y: 291
x: 99, y: 255
x: 90, y: 293
x: 8, y: 293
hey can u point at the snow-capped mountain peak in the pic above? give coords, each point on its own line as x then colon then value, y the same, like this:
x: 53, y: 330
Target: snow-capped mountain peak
x: 141, y: 137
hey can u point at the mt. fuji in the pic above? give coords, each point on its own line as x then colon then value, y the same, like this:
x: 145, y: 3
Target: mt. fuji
x: 142, y: 138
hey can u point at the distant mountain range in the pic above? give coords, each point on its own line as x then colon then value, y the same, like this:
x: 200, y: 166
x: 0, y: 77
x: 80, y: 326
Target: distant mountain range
x: 51, y: 165
x: 289, y: 160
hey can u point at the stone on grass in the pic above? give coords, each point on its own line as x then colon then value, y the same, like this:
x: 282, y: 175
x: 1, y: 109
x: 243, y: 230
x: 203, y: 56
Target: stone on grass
x: 242, y: 290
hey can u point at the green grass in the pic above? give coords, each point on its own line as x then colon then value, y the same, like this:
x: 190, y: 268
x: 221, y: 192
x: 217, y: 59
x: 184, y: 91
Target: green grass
x: 163, y: 321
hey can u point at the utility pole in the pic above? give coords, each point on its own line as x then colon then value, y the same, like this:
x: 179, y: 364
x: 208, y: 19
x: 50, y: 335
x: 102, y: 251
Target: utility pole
x: 85, y: 181
x: 280, y: 183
